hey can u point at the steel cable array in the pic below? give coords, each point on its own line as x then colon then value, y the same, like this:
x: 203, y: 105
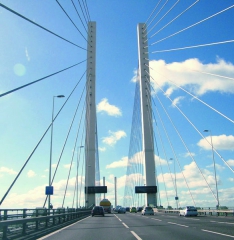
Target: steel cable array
x: 78, y: 185
x: 163, y: 12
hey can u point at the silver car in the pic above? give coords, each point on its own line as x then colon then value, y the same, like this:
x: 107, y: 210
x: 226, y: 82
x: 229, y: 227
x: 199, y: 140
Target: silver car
x: 147, y: 210
x: 188, y: 211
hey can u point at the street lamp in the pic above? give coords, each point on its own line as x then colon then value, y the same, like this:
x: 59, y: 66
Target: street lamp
x: 50, y: 189
x: 214, y: 166
x: 176, y: 197
x: 78, y: 160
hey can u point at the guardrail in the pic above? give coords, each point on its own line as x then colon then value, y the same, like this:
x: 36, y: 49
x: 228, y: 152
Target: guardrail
x: 204, y: 211
x: 25, y: 226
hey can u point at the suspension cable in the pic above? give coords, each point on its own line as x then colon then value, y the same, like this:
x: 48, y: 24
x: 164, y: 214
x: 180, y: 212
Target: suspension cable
x: 26, y: 85
x: 175, y: 156
x: 193, y: 25
x: 36, y: 146
x: 83, y: 12
x: 195, y: 46
x: 77, y: 135
x: 7, y: 8
x: 157, y: 13
x: 162, y: 17
x: 71, y: 20
x: 174, y: 19
x: 79, y: 17
x: 152, y: 13
x: 179, y: 133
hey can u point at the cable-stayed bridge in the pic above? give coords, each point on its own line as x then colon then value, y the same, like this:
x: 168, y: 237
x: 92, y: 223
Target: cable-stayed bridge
x: 186, y: 96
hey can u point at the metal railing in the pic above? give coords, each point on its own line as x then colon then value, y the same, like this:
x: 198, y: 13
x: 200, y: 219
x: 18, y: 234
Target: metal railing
x: 201, y: 211
x: 34, y: 223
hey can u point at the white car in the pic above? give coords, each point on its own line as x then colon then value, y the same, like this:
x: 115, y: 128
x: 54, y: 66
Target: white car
x: 188, y: 211
x: 147, y: 210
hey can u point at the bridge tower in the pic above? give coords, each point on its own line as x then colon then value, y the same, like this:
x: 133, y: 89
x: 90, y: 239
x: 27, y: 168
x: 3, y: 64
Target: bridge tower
x: 146, y: 113
x: 90, y: 145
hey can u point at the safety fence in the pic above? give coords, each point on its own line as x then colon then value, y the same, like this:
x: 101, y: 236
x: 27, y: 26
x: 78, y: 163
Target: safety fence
x: 34, y: 223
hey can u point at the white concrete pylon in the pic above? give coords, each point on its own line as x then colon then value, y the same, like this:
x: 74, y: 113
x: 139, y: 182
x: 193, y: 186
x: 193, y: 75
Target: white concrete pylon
x: 146, y: 113
x: 90, y: 146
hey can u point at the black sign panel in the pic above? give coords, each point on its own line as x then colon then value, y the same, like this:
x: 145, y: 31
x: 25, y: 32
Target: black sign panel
x: 97, y: 189
x: 145, y: 189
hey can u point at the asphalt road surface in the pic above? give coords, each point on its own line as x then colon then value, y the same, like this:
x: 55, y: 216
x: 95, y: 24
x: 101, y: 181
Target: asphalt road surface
x: 132, y: 226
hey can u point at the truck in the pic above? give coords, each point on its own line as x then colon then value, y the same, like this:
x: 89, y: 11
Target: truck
x: 106, y: 204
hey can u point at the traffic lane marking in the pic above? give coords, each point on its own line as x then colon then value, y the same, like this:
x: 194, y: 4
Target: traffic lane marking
x: 226, y: 235
x: 178, y: 224
x: 125, y: 225
x: 135, y: 235
x: 46, y: 236
x: 156, y: 219
x: 221, y: 222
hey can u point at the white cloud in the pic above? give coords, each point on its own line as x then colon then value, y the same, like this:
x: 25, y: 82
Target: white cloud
x: 7, y: 170
x: 189, y: 154
x: 36, y: 197
x: 231, y: 179
x: 123, y: 162
x: 31, y: 174
x: 111, y: 110
x: 135, y: 77
x: 187, y: 74
x: 138, y: 158
x: 102, y: 149
x: 67, y: 165
x: 114, y: 137
x: 217, y: 166
x: 26, y: 53
x: 176, y: 101
x: 230, y: 162
x: 192, y: 176
x: 221, y: 142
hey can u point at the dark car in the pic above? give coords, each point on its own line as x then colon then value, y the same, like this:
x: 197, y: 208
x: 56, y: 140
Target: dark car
x: 139, y: 209
x: 98, y: 210
x: 127, y: 209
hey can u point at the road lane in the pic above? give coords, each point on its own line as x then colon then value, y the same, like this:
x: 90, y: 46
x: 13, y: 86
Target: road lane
x: 160, y: 226
x: 98, y: 227
x: 175, y: 227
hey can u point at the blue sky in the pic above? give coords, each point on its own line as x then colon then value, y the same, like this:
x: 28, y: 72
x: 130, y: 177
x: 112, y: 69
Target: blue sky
x: 29, y: 53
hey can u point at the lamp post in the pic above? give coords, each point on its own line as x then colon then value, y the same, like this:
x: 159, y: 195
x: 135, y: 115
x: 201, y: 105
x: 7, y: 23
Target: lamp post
x: 176, y: 197
x: 50, y: 189
x: 214, y: 166
x: 78, y: 160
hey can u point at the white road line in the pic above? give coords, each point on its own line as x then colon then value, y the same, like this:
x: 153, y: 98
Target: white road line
x: 156, y: 219
x: 135, y: 235
x: 118, y: 218
x: 125, y: 225
x: 60, y: 230
x: 194, y: 219
x: 178, y: 224
x: 222, y: 222
x: 218, y: 233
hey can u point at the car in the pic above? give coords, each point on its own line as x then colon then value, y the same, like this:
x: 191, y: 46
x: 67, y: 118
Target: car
x: 117, y: 208
x: 133, y: 210
x: 147, y: 210
x: 139, y: 209
x: 121, y: 210
x: 98, y: 210
x: 188, y: 211
x: 127, y: 209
